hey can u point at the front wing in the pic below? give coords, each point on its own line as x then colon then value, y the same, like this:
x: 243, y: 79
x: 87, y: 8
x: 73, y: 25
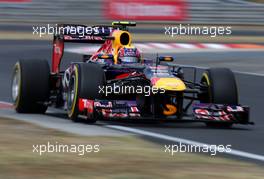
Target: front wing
x: 202, y: 112
x: 221, y: 113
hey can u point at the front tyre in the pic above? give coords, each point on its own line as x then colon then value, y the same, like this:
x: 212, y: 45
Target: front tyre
x: 84, y: 83
x: 30, y: 86
x: 222, y: 89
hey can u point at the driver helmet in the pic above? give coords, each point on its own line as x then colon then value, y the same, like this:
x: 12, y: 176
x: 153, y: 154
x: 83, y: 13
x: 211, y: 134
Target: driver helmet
x: 128, y: 55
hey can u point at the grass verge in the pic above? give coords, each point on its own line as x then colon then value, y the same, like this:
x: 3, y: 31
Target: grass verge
x: 119, y: 157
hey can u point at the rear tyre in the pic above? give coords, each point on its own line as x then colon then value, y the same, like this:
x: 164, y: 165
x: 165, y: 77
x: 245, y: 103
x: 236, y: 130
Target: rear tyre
x: 30, y: 86
x: 222, y: 89
x: 84, y: 83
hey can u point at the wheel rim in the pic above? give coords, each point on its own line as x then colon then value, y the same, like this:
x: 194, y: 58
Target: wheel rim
x: 16, y: 84
x: 207, y: 98
x: 71, y: 92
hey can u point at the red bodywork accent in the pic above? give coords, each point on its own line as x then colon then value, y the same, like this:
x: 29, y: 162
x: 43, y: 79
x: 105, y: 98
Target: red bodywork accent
x: 86, y: 104
x: 123, y: 76
x: 57, y: 53
x: 154, y: 80
x: 106, y: 48
x: 202, y: 111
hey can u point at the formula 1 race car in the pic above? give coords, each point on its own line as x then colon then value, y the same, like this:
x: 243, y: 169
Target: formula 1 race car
x: 117, y: 82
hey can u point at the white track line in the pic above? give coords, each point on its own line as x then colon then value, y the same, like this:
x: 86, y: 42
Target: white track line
x: 185, y: 141
x: 249, y: 73
x: 7, y: 103
x: 235, y: 71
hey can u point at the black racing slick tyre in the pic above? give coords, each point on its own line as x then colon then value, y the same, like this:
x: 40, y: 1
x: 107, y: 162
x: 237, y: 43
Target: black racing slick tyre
x: 222, y: 89
x: 84, y: 83
x: 30, y: 86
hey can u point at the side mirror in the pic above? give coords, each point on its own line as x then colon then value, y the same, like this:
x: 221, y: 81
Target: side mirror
x: 123, y: 23
x: 166, y: 59
x: 105, y: 56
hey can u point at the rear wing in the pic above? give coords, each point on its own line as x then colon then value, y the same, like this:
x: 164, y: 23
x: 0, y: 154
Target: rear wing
x: 76, y: 34
x: 89, y: 34
x: 81, y: 34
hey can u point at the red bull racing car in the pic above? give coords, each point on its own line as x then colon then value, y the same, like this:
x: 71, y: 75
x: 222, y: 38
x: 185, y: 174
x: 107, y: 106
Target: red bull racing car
x: 117, y: 82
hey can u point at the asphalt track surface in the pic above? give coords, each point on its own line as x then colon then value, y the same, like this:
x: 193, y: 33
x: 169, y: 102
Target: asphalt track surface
x: 243, y: 138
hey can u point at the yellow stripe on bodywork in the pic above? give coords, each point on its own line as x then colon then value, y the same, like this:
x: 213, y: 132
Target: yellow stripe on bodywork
x: 171, y: 84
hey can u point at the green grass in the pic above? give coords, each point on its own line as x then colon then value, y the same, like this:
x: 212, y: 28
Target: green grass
x: 119, y: 157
